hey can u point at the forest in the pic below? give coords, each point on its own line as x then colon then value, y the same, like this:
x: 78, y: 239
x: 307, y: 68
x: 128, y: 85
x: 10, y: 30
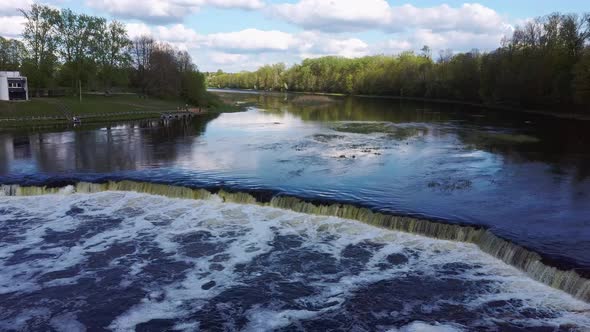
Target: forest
x: 544, y: 64
x: 63, y: 50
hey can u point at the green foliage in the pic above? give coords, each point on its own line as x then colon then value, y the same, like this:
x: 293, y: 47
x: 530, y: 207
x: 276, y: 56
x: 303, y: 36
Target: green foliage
x: 40, y: 39
x: 111, y: 49
x: 67, y: 49
x: 268, y: 78
x: 582, y: 79
x: 537, y: 66
x: 544, y: 64
x: 194, y: 89
x: 12, y: 54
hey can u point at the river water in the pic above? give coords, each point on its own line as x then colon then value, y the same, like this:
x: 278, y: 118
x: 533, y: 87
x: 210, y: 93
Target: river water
x: 119, y: 260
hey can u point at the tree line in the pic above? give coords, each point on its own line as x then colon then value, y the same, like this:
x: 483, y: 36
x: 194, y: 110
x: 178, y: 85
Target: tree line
x: 61, y: 48
x: 544, y: 64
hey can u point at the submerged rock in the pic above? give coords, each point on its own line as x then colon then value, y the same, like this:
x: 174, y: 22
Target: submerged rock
x: 391, y: 130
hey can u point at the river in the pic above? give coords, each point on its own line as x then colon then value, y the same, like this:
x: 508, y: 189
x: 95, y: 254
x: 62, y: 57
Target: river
x: 119, y: 260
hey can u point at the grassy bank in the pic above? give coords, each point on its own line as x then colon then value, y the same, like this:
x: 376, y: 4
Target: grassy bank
x: 92, y: 108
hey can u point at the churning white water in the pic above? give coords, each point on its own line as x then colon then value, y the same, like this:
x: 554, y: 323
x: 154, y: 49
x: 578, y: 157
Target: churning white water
x: 125, y: 261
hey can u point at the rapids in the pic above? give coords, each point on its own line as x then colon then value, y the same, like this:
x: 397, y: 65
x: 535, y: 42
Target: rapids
x: 91, y: 257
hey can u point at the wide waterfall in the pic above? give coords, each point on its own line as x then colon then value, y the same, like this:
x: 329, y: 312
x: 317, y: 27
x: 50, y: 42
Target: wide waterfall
x: 528, y: 261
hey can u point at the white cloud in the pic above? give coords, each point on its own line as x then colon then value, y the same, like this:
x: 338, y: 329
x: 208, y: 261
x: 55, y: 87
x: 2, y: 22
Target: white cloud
x: 11, y: 26
x: 243, y: 49
x: 176, y: 35
x: 147, y: 10
x: 334, y: 16
x: 468, y: 17
x: 11, y: 8
x: 325, y: 25
x: 313, y: 45
x: 135, y: 30
x: 251, y: 40
x: 220, y: 58
x: 352, y: 15
x: 11, y: 20
x: 239, y: 4
x: 439, y: 40
x: 393, y: 46
x: 460, y: 28
x: 456, y: 40
x: 350, y: 48
x: 310, y: 44
x: 231, y: 55
x: 247, y: 48
x: 163, y: 11
x: 244, y: 41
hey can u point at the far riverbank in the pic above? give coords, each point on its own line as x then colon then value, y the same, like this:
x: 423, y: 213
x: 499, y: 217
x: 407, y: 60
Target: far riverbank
x: 566, y: 115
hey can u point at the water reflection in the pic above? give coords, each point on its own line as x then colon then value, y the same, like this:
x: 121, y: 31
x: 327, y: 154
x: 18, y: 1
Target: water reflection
x: 100, y: 149
x: 561, y: 143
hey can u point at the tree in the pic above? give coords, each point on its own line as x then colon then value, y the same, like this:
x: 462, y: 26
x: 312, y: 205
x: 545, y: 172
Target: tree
x: 426, y: 51
x: 194, y: 88
x: 162, y: 76
x: 142, y: 49
x: 78, y: 40
x: 12, y: 54
x: 40, y: 38
x: 112, y: 52
x: 581, y: 81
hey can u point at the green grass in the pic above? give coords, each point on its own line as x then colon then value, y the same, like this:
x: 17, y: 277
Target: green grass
x: 90, y: 105
x: 93, y: 108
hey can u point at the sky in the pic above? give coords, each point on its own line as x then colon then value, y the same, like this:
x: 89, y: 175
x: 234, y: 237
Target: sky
x: 235, y: 35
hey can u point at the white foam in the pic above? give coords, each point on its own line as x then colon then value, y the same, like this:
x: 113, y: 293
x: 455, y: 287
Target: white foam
x: 69, y: 189
x: 67, y: 323
x: 268, y: 320
x: 144, y: 312
x: 253, y: 229
x: 425, y: 327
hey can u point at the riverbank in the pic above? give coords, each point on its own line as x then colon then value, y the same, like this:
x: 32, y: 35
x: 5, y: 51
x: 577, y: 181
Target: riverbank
x: 94, y: 108
x: 571, y: 115
x: 574, y: 116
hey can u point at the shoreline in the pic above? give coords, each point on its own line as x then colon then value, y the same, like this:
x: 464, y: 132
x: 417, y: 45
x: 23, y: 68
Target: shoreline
x: 64, y: 111
x: 568, y: 116
x: 40, y: 122
x: 534, y: 264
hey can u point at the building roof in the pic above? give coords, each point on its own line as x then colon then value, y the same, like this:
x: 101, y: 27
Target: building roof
x: 12, y: 74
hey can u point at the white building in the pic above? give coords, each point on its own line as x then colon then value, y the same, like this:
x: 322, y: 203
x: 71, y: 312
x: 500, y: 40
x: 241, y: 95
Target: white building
x: 13, y: 86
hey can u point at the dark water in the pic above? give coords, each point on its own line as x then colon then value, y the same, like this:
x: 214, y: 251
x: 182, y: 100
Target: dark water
x: 524, y: 176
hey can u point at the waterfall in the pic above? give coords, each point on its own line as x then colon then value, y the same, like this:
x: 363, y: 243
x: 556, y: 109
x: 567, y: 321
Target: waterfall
x: 526, y: 260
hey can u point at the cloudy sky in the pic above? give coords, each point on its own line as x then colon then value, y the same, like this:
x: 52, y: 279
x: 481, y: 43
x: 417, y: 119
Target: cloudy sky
x: 236, y: 35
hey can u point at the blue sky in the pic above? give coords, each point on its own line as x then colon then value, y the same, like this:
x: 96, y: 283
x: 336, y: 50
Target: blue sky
x: 238, y: 35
